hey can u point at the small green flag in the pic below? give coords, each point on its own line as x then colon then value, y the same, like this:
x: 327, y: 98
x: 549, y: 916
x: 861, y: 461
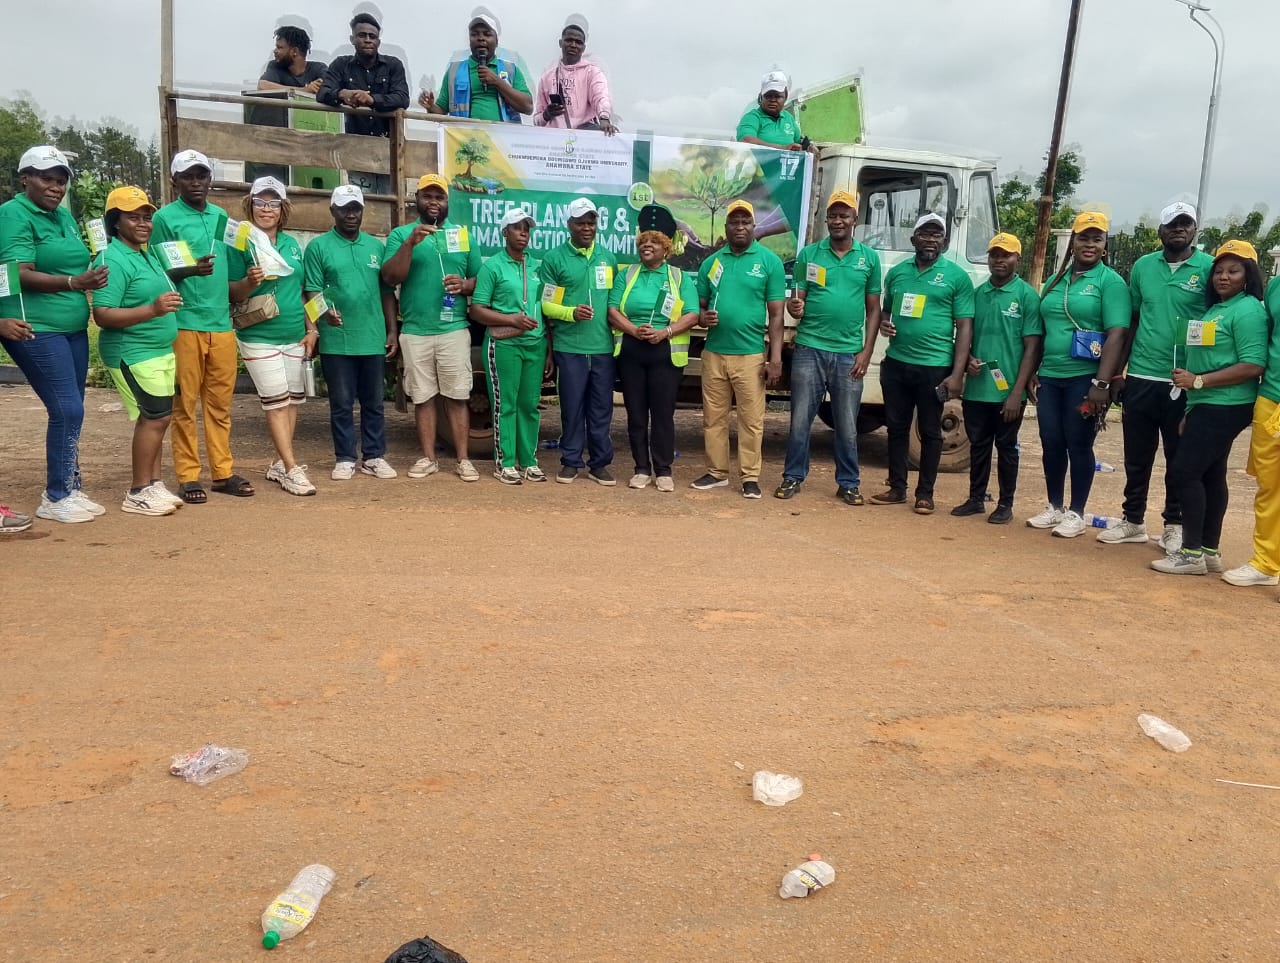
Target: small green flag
x: 9, y: 279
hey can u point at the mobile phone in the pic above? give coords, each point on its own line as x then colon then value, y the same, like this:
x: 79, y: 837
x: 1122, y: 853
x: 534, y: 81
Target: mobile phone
x: 556, y: 100
x: 941, y: 392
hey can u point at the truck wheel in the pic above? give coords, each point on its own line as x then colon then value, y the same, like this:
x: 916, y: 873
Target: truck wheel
x: 870, y: 418
x: 480, y: 431
x: 955, y: 443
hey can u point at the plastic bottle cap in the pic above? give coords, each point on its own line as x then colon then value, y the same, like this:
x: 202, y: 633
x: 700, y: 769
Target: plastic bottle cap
x: 815, y: 857
x: 270, y: 939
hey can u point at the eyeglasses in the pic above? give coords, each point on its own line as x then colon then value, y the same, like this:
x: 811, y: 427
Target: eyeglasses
x: 262, y: 204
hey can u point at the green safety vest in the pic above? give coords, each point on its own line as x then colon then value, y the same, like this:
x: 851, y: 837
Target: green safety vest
x: 679, y: 342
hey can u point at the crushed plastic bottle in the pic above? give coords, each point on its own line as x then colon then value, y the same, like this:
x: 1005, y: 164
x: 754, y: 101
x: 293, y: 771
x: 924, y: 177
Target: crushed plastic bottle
x: 1102, y: 521
x: 208, y: 764
x: 807, y: 877
x: 1104, y: 466
x: 1171, y: 737
x: 775, y: 788
x: 291, y: 911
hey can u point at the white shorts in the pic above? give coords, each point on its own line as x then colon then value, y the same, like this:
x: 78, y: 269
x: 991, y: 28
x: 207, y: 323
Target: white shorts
x: 276, y: 370
x: 437, y: 364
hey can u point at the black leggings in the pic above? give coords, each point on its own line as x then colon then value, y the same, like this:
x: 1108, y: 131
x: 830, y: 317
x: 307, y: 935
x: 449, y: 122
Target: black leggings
x: 1199, y: 470
x: 650, y: 383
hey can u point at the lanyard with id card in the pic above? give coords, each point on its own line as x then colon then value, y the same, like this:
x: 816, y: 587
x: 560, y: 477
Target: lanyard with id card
x: 603, y: 277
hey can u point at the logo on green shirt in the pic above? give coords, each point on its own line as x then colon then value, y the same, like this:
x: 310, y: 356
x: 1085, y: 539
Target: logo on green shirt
x: 755, y: 271
x: 939, y: 279
x: 373, y: 261
x: 1014, y: 310
x: 1191, y: 284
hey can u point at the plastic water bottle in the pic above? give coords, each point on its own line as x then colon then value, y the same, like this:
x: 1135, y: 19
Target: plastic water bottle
x: 1101, y: 521
x: 291, y: 911
x: 1104, y: 466
x: 808, y: 876
x: 1171, y: 737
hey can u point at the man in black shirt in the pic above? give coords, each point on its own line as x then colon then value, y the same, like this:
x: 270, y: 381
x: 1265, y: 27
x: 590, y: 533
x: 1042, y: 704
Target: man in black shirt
x: 289, y: 66
x: 365, y: 80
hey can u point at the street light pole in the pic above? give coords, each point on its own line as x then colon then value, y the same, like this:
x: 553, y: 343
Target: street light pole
x: 1211, y: 122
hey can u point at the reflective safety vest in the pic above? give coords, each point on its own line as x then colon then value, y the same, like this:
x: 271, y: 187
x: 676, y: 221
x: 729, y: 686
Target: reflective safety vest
x: 457, y: 80
x: 679, y: 342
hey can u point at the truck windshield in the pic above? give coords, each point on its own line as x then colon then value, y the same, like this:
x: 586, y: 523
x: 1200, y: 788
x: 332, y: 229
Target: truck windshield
x: 892, y: 201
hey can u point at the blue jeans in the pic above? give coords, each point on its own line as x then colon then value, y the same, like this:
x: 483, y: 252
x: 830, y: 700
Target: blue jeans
x: 55, y: 366
x: 348, y: 377
x: 815, y: 373
x: 1067, y: 439
x: 585, y: 382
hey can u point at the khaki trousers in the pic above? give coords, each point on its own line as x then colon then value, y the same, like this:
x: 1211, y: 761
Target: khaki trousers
x: 727, y: 378
x: 206, y: 373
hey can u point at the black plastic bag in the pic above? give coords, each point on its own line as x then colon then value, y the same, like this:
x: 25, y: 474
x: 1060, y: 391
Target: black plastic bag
x: 425, y: 950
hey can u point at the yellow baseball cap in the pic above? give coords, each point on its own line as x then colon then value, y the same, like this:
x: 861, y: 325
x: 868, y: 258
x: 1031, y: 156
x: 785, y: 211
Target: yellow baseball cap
x: 1241, y: 249
x: 1087, y: 220
x: 433, y: 180
x: 843, y: 197
x: 1005, y: 242
x: 131, y: 199
x: 740, y: 205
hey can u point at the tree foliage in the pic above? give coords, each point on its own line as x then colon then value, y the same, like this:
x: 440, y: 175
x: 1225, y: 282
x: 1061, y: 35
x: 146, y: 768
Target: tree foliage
x: 1018, y: 202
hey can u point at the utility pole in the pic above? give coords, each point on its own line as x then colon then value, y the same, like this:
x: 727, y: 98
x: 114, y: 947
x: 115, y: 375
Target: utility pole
x: 1055, y: 146
x: 1211, y: 122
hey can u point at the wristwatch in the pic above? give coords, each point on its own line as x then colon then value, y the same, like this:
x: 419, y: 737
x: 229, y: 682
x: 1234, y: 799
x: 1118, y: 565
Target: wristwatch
x: 1198, y: 383
x: 1104, y: 385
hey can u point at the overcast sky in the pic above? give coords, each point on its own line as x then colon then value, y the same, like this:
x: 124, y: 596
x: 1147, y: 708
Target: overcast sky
x: 979, y: 75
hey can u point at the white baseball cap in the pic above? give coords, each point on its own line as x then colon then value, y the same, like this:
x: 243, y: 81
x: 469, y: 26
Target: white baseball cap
x: 268, y: 184
x: 482, y: 15
x: 1175, y: 211
x: 45, y: 158
x: 581, y: 207
x: 345, y: 194
x: 515, y: 215
x: 931, y: 218
x: 575, y: 20
x: 187, y: 159
x: 774, y: 80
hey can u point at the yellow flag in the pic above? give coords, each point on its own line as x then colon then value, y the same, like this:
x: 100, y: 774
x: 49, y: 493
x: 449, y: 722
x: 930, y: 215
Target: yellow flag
x: 315, y: 308
x: 553, y: 294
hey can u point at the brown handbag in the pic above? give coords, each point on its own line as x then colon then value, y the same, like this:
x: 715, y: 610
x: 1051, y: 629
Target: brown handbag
x: 255, y: 310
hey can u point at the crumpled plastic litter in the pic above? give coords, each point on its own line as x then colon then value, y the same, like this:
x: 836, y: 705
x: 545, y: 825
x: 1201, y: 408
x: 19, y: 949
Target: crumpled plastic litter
x: 775, y: 788
x: 425, y: 950
x: 208, y: 764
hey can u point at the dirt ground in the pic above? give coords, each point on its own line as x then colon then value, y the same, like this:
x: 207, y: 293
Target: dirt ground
x: 524, y: 721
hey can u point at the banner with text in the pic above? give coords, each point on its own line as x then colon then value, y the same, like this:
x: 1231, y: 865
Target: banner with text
x: 493, y: 168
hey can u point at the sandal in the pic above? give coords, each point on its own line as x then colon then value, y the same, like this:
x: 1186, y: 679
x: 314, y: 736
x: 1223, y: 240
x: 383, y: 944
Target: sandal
x: 192, y: 493
x: 233, y: 485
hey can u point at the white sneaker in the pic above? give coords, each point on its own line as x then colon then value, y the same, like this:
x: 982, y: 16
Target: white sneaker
x: 1049, y: 518
x: 1171, y: 540
x: 534, y: 474
x: 1212, y: 562
x: 145, y: 502
x: 64, y: 510
x: 467, y: 471
x: 296, y: 482
x: 424, y: 467
x: 1123, y: 533
x: 87, y: 503
x: 378, y: 468
x: 508, y: 476
x: 343, y: 471
x: 1071, y: 525
x: 640, y: 480
x: 665, y: 483
x: 276, y: 472
x: 1180, y: 563
x: 158, y: 489
x: 1247, y: 575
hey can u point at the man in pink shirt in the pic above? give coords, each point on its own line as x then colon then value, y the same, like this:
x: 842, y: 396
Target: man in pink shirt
x: 574, y: 92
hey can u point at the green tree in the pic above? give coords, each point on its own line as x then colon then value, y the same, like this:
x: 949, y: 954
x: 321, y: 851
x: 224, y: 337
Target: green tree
x: 714, y: 190
x: 471, y: 152
x: 21, y: 128
x: 1018, y: 202
x: 1251, y: 228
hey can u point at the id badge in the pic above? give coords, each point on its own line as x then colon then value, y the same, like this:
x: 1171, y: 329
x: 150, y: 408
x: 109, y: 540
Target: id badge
x: 1202, y: 334
x: 1002, y: 384
x: 446, y: 306
x: 669, y: 307
x: 604, y: 277
x: 913, y: 305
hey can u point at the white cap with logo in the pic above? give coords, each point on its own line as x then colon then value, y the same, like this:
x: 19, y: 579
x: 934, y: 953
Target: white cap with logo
x: 1175, y: 211
x: 774, y: 81
x: 345, y: 194
x: 187, y: 159
x: 515, y: 215
x: 581, y: 207
x: 930, y: 218
x: 484, y: 15
x: 44, y: 158
x: 263, y: 184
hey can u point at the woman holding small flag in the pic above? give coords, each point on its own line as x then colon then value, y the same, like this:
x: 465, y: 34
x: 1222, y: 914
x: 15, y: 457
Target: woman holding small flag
x: 44, y: 271
x: 276, y: 339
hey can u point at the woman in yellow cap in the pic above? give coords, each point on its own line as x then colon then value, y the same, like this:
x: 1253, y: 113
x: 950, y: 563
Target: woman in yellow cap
x: 276, y: 348
x: 651, y: 309
x: 1226, y: 353
x: 135, y: 313
x: 1085, y: 309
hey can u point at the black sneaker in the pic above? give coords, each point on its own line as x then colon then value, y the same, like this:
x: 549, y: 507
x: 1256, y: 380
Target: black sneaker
x: 750, y: 490
x: 709, y: 481
x: 969, y: 507
x: 789, y: 488
x: 1003, y: 515
x: 850, y: 496
x: 602, y: 476
x: 566, y: 475
x: 890, y: 497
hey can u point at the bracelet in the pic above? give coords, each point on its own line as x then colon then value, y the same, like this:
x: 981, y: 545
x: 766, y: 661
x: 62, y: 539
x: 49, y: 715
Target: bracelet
x: 70, y: 285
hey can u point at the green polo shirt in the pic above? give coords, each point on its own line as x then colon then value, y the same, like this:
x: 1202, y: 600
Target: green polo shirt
x: 1002, y: 318
x: 133, y: 280
x: 740, y: 287
x: 586, y: 277
x: 511, y: 287
x: 1098, y: 300
x: 485, y: 101
x: 643, y: 304
x: 1164, y: 298
x: 1240, y: 333
x: 51, y: 241
x: 206, y: 304
x: 348, y: 273
x: 836, y: 289
x: 422, y: 309
x: 290, y: 324
x: 924, y: 304
x: 1271, y: 377
x: 782, y: 131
